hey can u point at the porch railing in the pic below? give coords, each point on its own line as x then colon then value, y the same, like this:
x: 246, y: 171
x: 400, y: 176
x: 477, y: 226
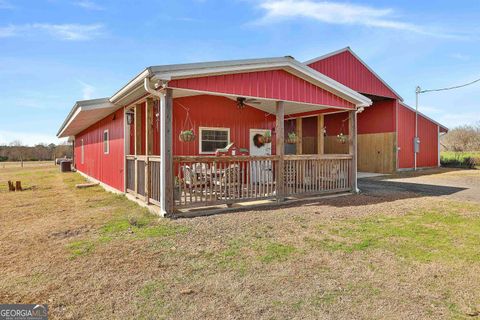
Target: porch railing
x: 203, y: 181
x: 143, y: 177
x: 317, y: 173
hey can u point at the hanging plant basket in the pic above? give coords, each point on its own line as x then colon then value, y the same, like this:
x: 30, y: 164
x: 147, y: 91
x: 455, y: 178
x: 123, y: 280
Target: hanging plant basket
x: 267, y: 137
x: 291, y: 138
x: 187, y: 136
x: 342, y: 138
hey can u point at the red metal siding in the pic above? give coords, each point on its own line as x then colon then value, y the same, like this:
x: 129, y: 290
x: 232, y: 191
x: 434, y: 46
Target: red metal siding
x: 428, y: 134
x: 406, y: 132
x: 272, y: 84
x: 107, y: 168
x: 333, y: 123
x: 216, y: 111
x: 348, y: 70
x: 378, y: 118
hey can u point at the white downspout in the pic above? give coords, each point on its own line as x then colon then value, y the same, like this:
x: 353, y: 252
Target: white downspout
x: 148, y: 87
x: 355, y: 165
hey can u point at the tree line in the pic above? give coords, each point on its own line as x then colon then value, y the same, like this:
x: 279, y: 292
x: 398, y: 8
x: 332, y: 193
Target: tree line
x: 462, y: 139
x: 16, y: 151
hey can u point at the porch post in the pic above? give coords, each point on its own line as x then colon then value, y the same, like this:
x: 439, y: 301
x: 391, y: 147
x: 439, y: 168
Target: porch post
x: 320, y: 135
x: 138, y: 139
x: 166, y: 152
x: 352, y: 148
x: 280, y: 150
x: 148, y: 145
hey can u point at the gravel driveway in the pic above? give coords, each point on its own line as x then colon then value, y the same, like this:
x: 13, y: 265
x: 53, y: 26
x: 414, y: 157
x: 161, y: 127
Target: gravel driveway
x: 456, y: 184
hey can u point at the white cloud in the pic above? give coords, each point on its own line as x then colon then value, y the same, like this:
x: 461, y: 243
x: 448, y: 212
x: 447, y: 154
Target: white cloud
x: 4, y: 4
x: 89, y: 5
x: 87, y: 90
x: 460, y: 56
x: 9, y: 31
x: 340, y: 13
x: 69, y: 32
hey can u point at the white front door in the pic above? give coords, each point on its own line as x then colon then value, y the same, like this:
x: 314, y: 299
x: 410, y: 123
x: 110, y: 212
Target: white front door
x: 260, y: 171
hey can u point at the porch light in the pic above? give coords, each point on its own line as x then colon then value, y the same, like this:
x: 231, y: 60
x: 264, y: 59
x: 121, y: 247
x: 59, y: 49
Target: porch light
x: 130, y: 116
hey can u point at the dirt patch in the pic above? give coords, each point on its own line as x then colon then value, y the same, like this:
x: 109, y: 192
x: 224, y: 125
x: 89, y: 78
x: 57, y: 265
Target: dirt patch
x: 390, y: 252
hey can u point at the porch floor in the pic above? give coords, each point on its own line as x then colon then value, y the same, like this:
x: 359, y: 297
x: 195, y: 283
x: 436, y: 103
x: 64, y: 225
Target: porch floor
x: 250, y: 205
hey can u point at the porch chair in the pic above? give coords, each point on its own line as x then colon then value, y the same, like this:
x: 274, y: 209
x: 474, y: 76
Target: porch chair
x: 192, y: 183
x: 228, y: 183
x: 334, y: 175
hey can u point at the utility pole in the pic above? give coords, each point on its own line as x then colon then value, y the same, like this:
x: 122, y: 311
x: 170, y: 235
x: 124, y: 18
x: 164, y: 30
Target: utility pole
x: 418, y: 90
x: 416, y: 140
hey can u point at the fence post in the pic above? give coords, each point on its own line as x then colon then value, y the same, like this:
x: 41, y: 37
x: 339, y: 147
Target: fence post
x: 280, y: 150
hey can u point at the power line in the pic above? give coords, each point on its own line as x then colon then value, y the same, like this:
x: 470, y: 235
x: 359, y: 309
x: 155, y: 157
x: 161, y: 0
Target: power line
x: 450, y: 88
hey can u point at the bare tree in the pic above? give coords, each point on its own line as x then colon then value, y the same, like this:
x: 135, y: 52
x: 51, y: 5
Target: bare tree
x: 463, y: 138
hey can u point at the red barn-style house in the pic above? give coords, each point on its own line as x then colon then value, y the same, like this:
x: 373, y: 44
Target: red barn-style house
x: 194, y: 135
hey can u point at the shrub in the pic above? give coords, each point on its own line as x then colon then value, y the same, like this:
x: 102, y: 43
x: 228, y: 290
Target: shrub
x: 460, y: 160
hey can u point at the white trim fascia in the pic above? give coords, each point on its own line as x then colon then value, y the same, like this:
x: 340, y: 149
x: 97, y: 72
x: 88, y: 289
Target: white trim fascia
x: 331, y: 54
x: 132, y: 83
x: 83, y: 105
x: 423, y: 115
x: 210, y: 128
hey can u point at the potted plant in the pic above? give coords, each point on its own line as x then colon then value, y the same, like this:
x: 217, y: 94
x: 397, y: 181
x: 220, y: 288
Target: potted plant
x: 187, y: 135
x: 292, y: 137
x: 267, y: 137
x: 342, y: 138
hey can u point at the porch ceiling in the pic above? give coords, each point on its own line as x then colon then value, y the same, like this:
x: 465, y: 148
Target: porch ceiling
x: 265, y: 105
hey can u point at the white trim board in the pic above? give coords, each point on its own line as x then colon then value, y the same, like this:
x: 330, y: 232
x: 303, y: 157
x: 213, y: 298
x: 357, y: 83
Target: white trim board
x: 153, y: 209
x: 102, y: 184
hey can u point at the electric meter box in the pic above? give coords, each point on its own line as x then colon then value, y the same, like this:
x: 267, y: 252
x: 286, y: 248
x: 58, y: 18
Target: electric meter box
x: 416, y: 144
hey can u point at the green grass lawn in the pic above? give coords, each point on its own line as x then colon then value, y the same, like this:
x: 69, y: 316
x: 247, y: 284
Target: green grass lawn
x: 460, y: 159
x: 92, y: 254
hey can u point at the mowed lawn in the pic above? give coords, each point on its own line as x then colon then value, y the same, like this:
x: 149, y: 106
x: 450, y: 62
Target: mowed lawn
x: 90, y: 254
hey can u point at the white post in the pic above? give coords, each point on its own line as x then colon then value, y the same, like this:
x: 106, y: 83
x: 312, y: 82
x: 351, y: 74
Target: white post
x: 162, y: 154
x: 166, y: 172
x: 352, y: 146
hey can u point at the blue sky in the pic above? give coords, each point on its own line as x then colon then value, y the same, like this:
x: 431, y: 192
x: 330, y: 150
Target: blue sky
x: 54, y: 52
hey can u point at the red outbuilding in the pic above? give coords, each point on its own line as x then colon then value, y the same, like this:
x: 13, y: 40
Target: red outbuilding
x: 202, y: 134
x: 386, y: 130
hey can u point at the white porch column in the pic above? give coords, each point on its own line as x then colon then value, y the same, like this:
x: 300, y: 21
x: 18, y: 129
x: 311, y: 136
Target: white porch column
x: 352, y: 148
x: 280, y: 150
x: 166, y: 153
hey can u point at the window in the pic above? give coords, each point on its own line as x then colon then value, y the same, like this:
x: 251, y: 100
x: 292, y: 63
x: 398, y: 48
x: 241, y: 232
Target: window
x: 82, y: 156
x: 212, y: 139
x: 106, y: 142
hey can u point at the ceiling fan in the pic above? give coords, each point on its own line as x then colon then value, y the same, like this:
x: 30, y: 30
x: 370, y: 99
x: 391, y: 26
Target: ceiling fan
x: 242, y: 102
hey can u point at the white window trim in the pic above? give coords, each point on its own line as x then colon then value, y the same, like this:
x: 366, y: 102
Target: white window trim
x: 82, y: 152
x: 200, y: 129
x: 108, y: 141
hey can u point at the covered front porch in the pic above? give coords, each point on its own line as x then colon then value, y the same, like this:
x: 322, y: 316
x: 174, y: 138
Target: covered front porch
x: 221, y: 133
x: 289, y: 167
